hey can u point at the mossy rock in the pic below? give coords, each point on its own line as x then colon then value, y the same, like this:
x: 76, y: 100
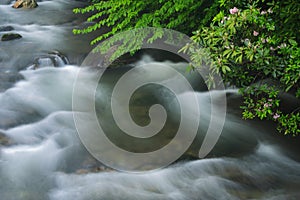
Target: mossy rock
x: 11, y: 36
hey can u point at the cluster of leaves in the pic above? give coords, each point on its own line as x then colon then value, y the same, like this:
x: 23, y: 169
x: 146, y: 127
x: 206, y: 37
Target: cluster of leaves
x: 261, y: 101
x: 181, y: 15
x: 289, y: 124
x: 248, y: 43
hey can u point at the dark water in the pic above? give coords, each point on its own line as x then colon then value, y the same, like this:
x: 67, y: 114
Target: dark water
x: 46, y: 158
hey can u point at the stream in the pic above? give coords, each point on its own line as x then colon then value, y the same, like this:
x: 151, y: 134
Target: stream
x: 44, y: 158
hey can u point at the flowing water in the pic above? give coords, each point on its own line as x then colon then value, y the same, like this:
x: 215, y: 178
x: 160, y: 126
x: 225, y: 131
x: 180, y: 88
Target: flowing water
x: 46, y: 160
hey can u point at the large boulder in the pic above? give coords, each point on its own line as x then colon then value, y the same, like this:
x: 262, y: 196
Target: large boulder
x: 10, y: 36
x: 25, y: 4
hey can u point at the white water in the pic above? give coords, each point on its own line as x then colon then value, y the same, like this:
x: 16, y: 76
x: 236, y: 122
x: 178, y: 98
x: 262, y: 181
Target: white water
x: 46, y: 154
x: 248, y: 162
x: 44, y: 29
x: 255, y: 177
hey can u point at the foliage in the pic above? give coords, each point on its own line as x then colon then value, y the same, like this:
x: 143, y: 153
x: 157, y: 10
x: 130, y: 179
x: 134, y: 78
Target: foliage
x: 122, y: 43
x: 248, y: 44
x: 289, y: 124
x: 181, y: 15
x: 262, y: 102
x: 247, y: 41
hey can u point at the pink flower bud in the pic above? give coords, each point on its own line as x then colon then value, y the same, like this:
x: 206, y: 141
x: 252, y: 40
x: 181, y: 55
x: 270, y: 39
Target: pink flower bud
x: 255, y: 33
x: 233, y: 10
x: 266, y: 105
x: 276, y: 116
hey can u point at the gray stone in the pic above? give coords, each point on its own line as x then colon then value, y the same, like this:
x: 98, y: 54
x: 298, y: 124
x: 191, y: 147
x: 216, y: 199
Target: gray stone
x: 6, y: 28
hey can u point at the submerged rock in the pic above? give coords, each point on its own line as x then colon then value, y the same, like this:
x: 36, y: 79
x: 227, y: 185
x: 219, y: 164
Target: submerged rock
x: 91, y: 165
x: 25, y: 4
x: 94, y: 170
x: 51, y: 59
x: 11, y: 36
x: 4, y: 140
x: 6, y: 28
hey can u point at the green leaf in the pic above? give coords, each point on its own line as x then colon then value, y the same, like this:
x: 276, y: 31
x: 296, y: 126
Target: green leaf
x: 292, y: 42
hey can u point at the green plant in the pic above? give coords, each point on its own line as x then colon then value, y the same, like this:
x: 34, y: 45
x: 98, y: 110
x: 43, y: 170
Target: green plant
x: 248, y: 44
x: 261, y: 101
x: 181, y: 15
x: 247, y: 41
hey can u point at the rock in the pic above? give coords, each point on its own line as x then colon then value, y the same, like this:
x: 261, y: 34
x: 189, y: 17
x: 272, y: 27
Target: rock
x: 60, y: 59
x: 6, y: 28
x: 11, y: 36
x: 4, y: 140
x: 51, y: 59
x: 82, y: 171
x: 91, y: 165
x: 94, y: 170
x: 25, y: 4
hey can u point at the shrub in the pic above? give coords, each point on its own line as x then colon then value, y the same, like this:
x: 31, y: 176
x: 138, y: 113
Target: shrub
x: 248, y: 42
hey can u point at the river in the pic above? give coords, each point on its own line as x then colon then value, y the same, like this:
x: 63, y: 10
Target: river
x: 46, y: 159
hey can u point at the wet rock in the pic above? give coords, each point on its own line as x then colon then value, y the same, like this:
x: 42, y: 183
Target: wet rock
x: 82, y: 171
x: 6, y: 28
x: 4, y: 140
x: 25, y: 4
x: 91, y: 165
x: 94, y: 170
x: 51, y: 59
x: 11, y: 36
